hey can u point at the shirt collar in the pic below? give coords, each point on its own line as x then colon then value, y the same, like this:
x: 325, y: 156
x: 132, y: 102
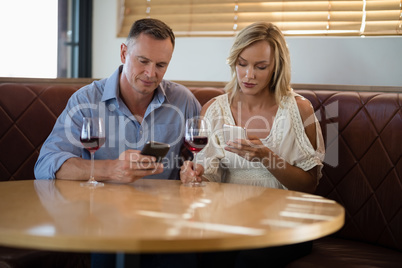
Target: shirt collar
x: 112, y: 88
x: 160, y: 93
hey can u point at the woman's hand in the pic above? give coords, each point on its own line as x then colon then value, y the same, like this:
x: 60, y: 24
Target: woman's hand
x: 251, y: 149
x: 292, y: 177
x: 187, y: 172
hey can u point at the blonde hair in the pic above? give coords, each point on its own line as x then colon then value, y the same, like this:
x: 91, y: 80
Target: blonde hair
x: 280, y: 81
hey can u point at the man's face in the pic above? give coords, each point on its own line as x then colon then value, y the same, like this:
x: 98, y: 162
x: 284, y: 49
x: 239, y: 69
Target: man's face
x: 145, y: 62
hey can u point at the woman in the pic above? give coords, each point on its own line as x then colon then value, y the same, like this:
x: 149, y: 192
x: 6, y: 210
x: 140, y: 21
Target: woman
x: 285, y: 148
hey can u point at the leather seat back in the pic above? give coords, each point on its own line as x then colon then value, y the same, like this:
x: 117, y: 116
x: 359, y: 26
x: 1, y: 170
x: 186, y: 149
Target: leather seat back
x: 363, y: 164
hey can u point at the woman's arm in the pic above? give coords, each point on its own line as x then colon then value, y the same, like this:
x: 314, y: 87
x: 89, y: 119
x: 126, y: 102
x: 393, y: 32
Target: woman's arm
x: 292, y: 177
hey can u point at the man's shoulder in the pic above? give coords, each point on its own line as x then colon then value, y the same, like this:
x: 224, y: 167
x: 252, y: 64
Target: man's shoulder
x: 90, y: 92
x: 170, y: 85
x: 176, y: 89
x: 98, y: 85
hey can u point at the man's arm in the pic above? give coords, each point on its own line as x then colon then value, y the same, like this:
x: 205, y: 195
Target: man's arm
x: 129, y: 167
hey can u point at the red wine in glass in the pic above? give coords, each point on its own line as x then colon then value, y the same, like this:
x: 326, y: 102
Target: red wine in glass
x: 196, y: 144
x: 195, y: 139
x: 92, y: 138
x: 92, y: 144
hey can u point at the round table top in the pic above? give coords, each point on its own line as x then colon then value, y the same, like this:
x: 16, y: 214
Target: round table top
x: 159, y: 216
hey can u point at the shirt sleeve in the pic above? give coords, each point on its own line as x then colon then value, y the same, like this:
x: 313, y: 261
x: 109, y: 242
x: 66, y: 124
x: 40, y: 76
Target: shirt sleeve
x: 62, y: 143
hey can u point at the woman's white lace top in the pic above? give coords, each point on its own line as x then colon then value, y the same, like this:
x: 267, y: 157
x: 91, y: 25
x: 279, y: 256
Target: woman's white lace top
x: 287, y: 139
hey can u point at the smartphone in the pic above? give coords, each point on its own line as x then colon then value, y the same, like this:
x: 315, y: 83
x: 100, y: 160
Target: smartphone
x: 157, y: 149
x: 231, y: 132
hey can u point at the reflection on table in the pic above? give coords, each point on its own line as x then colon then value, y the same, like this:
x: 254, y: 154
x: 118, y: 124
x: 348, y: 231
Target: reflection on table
x: 160, y: 216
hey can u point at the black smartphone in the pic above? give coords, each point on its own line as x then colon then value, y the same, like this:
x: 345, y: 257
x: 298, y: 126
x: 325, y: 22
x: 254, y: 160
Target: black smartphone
x: 157, y: 149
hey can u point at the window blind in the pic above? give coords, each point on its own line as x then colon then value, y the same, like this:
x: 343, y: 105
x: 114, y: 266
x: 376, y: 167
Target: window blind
x: 293, y: 17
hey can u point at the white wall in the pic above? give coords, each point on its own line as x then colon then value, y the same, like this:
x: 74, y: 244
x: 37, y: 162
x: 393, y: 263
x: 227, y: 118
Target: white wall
x: 373, y: 61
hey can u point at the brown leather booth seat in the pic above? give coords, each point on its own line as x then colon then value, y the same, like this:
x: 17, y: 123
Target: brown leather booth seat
x: 363, y: 172
x: 27, y: 115
x: 362, y: 169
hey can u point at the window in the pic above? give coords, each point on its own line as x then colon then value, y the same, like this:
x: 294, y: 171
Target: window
x: 28, y: 46
x: 74, y: 38
x: 297, y: 17
x: 46, y: 38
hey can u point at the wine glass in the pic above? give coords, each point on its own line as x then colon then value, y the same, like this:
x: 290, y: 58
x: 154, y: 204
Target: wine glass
x: 195, y: 139
x: 92, y: 138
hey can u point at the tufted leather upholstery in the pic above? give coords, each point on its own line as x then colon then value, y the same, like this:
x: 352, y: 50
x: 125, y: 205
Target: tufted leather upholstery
x: 27, y: 115
x: 204, y: 94
x: 362, y: 169
x: 367, y: 179
x: 362, y: 132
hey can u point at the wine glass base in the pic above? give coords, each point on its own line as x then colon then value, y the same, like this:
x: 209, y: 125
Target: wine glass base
x: 92, y: 184
x: 195, y: 184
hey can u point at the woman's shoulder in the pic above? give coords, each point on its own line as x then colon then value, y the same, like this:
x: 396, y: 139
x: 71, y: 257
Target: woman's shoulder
x: 213, y: 103
x: 308, y: 118
x: 304, y: 106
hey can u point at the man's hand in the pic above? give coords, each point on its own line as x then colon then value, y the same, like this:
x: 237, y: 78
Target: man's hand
x: 132, y: 165
x: 129, y: 167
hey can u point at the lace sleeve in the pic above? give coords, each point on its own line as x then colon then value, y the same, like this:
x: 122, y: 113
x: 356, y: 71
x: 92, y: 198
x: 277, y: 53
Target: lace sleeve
x: 307, y: 156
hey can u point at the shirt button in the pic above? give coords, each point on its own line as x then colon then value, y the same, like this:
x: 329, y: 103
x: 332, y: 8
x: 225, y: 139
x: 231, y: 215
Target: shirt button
x: 112, y: 107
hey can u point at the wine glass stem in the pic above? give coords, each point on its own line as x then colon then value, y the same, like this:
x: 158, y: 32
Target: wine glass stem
x: 195, y: 167
x: 92, y: 178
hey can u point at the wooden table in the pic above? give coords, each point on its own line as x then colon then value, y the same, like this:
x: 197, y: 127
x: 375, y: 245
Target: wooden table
x: 159, y: 216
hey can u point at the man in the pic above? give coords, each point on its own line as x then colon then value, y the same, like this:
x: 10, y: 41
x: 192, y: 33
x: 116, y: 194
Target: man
x: 136, y: 104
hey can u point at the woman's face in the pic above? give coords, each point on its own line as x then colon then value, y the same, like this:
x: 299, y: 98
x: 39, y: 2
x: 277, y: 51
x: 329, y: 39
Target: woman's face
x: 254, y: 67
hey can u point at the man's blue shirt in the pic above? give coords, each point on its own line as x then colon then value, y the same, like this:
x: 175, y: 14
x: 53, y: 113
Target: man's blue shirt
x: 164, y: 121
